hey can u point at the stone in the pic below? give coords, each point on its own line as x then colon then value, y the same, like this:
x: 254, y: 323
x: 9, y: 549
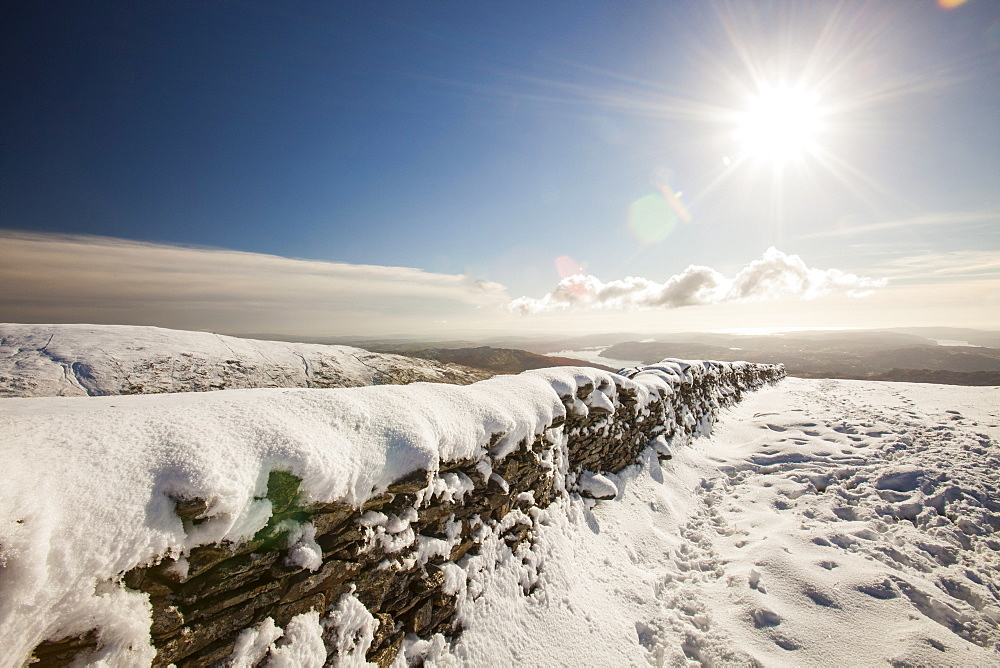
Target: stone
x: 191, y: 511
x: 420, y: 619
x: 409, y: 484
x: 166, y: 620
x: 384, y: 633
x: 254, y: 595
x: 283, y: 614
x: 332, y: 518
x: 378, y: 501
x: 385, y: 656
x: 63, y: 652
x: 332, y: 573
x: 427, y: 581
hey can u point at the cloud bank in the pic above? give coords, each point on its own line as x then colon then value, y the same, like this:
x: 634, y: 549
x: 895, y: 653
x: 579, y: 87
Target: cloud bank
x: 54, y: 278
x: 774, y: 276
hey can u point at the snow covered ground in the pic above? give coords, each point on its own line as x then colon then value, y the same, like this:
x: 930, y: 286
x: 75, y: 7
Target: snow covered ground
x: 75, y: 360
x: 826, y: 522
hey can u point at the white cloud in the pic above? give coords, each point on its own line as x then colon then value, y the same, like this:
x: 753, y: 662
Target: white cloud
x: 50, y: 278
x: 775, y: 276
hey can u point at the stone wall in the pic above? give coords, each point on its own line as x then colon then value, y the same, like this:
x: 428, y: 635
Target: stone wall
x: 393, y: 554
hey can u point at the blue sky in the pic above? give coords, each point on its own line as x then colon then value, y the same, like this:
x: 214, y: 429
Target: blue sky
x: 480, y: 142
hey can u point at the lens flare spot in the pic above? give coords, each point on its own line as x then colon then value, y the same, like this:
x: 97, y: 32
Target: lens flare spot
x: 567, y: 266
x: 653, y: 218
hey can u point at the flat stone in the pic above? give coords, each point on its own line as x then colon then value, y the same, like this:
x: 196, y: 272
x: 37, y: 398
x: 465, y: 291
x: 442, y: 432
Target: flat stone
x: 254, y: 594
x: 378, y: 501
x: 332, y: 573
x: 63, y: 652
x: 283, y: 614
x: 329, y: 521
x: 410, y: 483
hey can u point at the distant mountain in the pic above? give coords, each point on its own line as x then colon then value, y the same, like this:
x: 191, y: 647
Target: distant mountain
x: 971, y: 378
x: 498, y: 360
x: 975, y: 337
x: 865, y: 355
x: 68, y: 360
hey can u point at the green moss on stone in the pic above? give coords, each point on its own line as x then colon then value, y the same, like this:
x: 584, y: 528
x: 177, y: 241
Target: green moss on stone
x: 287, y: 510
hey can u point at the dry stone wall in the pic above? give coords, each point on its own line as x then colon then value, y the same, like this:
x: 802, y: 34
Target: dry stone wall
x: 398, y: 553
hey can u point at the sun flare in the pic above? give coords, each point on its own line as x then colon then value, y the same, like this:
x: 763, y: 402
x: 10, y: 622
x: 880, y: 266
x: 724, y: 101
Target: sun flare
x: 779, y: 124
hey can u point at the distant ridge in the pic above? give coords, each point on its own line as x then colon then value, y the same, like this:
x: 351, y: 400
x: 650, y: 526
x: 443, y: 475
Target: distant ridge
x: 863, y: 355
x: 498, y: 360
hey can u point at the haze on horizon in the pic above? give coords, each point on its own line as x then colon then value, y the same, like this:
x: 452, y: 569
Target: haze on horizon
x: 413, y: 168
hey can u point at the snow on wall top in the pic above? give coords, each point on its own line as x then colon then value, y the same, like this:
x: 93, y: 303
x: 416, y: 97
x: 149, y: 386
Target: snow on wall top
x: 98, y: 360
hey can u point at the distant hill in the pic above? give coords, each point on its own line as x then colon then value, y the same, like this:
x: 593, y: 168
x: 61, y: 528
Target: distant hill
x: 874, y: 355
x: 498, y: 360
x: 975, y: 337
x: 68, y: 360
x: 970, y: 378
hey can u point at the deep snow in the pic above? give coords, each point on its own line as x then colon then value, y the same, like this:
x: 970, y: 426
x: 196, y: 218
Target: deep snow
x: 824, y: 522
x: 89, y: 481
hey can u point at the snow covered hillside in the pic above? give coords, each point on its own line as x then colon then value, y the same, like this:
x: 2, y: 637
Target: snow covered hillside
x: 824, y: 523
x: 70, y: 360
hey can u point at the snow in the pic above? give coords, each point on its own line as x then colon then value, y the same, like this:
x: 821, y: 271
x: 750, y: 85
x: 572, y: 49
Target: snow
x: 783, y: 539
x: 823, y: 522
x: 254, y: 643
x: 597, y: 486
x: 353, y: 630
x: 301, y: 645
x: 90, y: 482
x: 99, y: 360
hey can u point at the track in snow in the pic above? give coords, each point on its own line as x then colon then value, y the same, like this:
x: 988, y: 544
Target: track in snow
x: 825, y: 522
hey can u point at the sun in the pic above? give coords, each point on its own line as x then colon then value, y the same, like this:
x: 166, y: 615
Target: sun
x: 779, y: 124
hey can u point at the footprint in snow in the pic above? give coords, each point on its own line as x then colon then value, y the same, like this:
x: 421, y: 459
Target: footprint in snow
x: 820, y: 599
x: 763, y: 618
x: 786, y: 643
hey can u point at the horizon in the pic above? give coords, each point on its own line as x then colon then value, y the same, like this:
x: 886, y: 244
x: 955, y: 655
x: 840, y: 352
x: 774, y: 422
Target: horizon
x: 393, y: 169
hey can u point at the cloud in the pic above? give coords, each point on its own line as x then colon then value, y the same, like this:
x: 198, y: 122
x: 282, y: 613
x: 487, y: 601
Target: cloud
x: 54, y: 278
x: 774, y: 276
